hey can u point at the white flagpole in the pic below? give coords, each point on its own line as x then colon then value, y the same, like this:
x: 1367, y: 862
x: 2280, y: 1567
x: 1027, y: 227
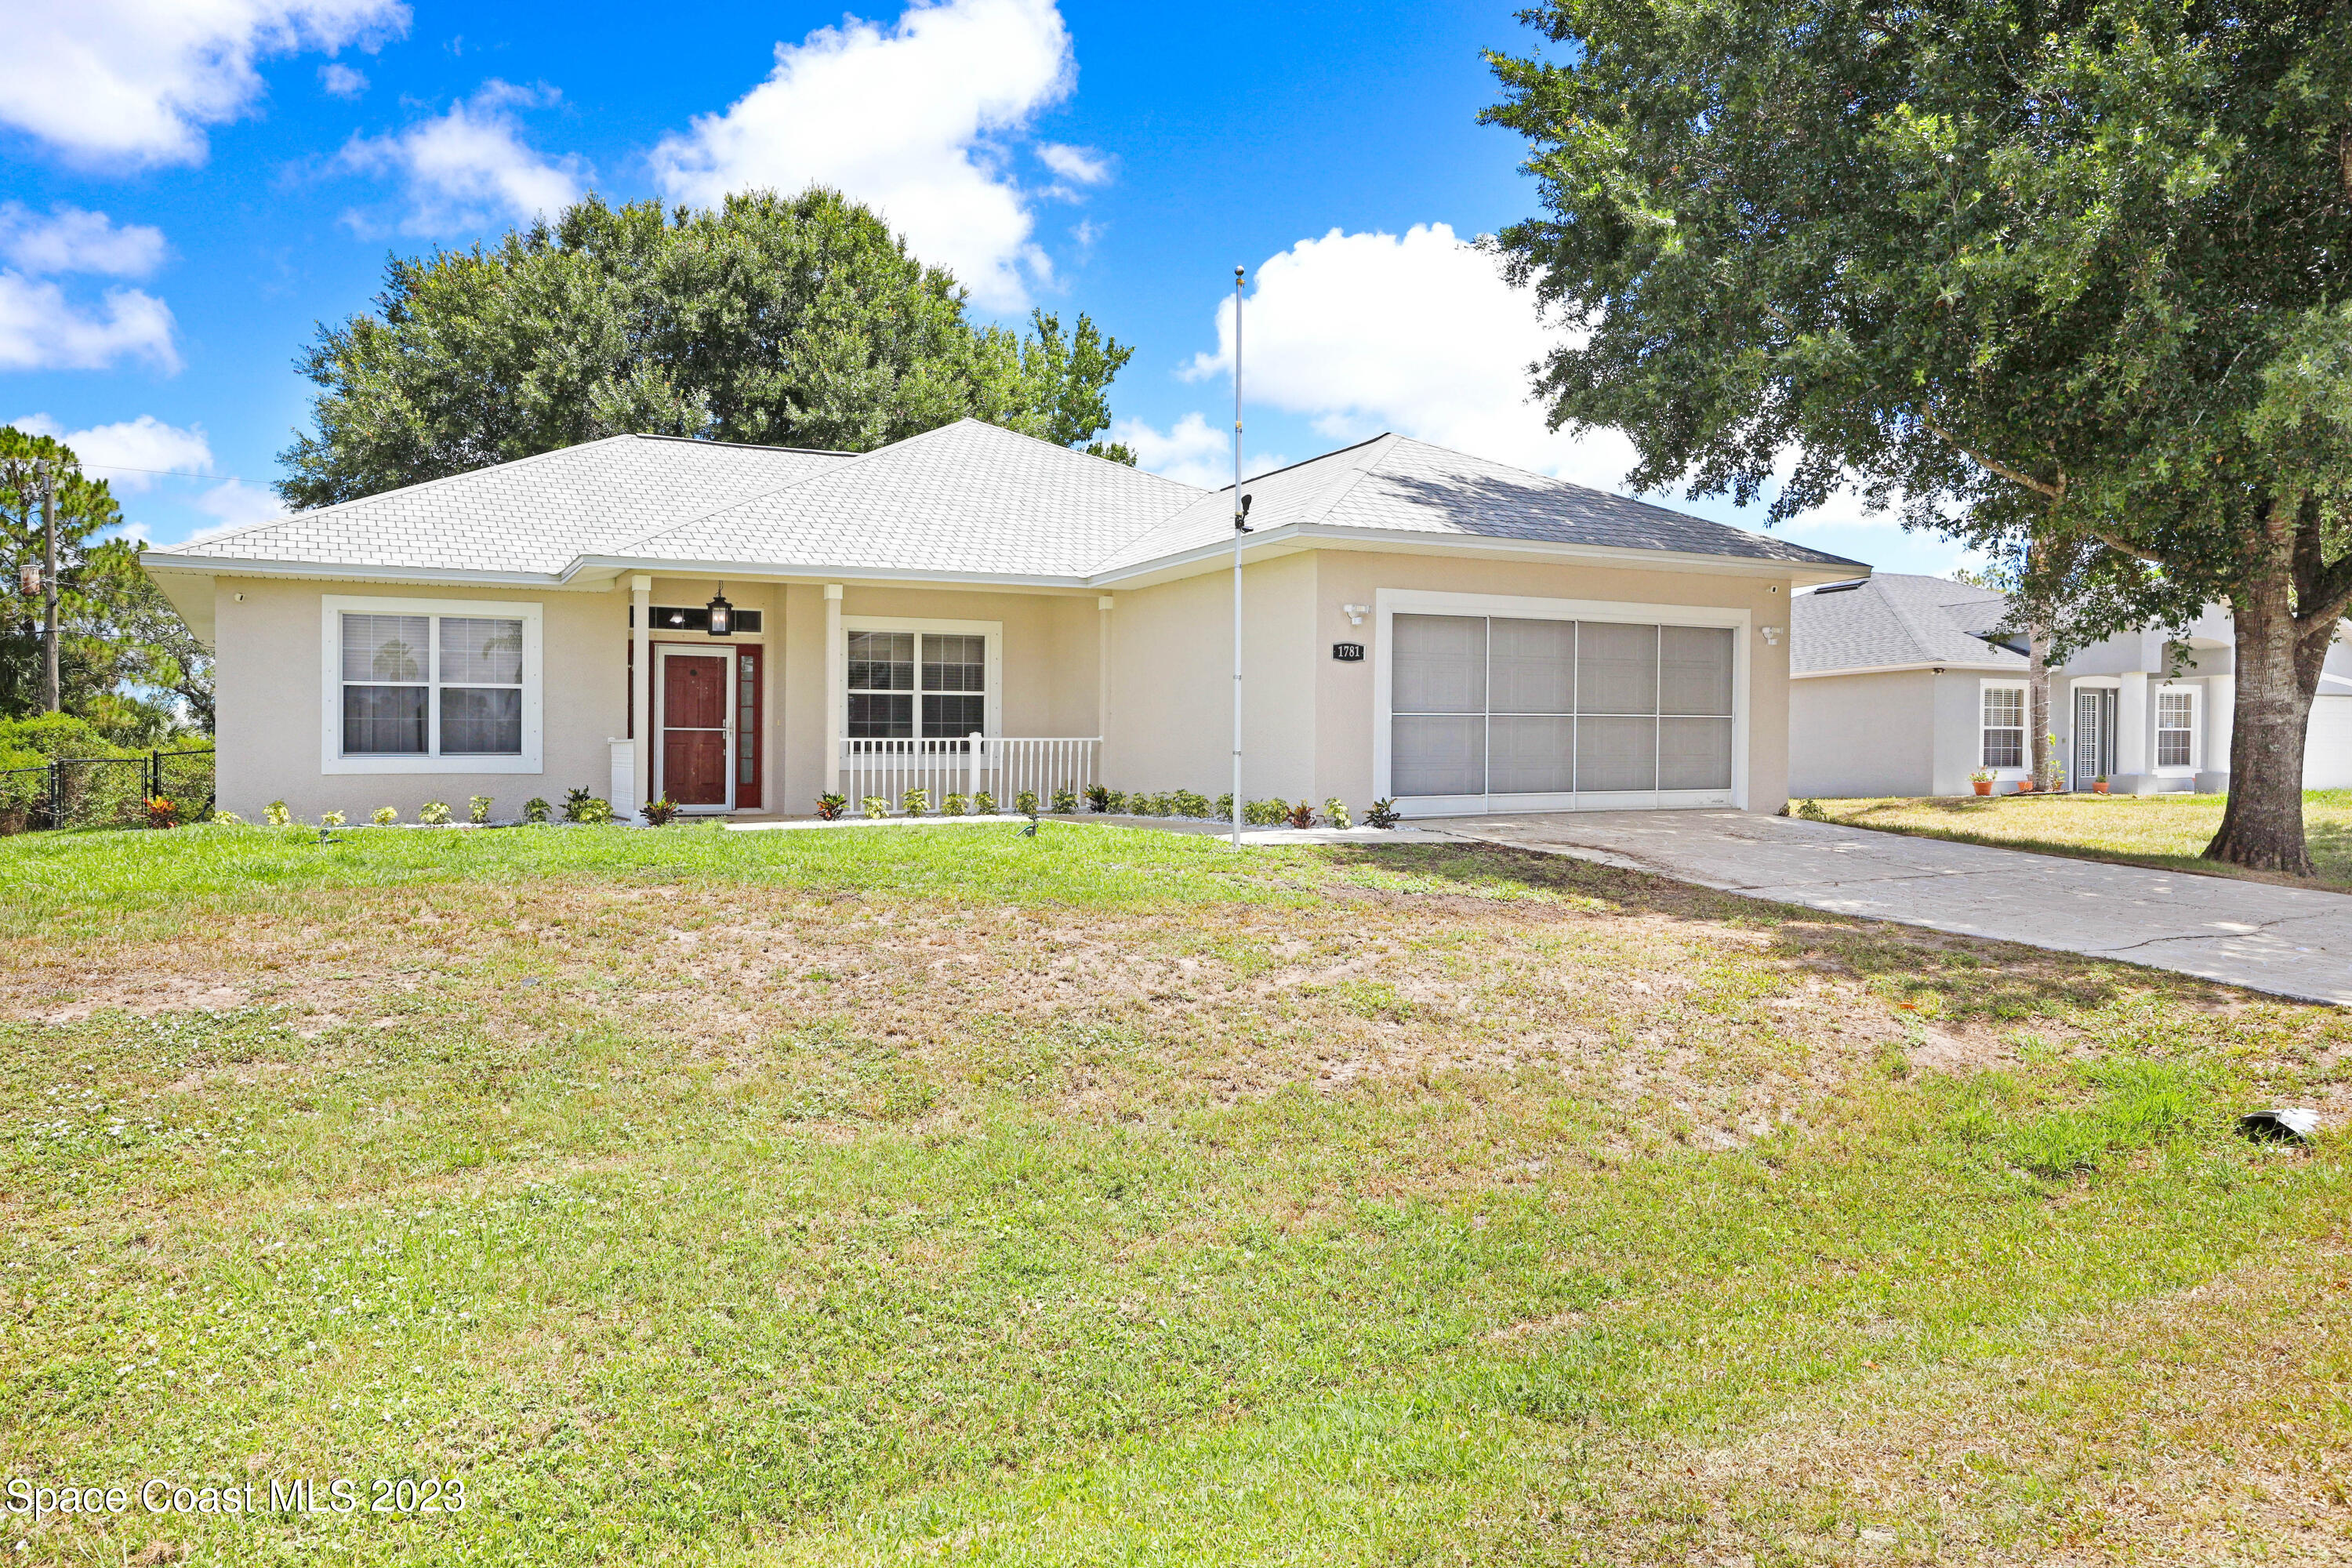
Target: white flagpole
x: 1240, y: 527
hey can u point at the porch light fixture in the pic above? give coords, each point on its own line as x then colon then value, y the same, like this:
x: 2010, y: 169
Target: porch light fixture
x: 1356, y: 613
x: 722, y: 613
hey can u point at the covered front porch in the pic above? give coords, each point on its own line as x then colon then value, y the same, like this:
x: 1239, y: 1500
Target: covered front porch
x: 753, y: 699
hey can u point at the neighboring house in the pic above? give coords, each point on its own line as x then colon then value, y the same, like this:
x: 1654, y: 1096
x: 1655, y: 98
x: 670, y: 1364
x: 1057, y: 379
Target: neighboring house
x: 969, y: 608
x: 1905, y: 686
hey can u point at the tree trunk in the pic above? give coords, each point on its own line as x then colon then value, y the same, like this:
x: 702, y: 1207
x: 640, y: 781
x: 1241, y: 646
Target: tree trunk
x: 2279, y: 660
x: 2037, y: 685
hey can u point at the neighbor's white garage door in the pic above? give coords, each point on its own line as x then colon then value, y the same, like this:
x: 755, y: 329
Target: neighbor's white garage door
x: 2327, y: 755
x: 1497, y: 713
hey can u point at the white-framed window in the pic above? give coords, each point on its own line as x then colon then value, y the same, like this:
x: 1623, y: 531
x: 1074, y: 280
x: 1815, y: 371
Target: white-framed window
x: 2175, y: 727
x: 908, y: 680
x: 429, y: 685
x: 2001, y: 724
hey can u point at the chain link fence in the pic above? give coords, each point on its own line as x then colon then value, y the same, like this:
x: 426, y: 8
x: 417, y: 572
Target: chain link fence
x: 107, y: 791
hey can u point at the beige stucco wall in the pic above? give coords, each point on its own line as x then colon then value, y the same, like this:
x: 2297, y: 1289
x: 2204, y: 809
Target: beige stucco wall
x: 267, y: 636
x: 1307, y: 718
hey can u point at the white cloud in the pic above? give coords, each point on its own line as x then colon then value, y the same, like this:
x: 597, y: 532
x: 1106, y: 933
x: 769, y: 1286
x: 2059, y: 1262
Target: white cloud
x: 236, y: 504
x: 1192, y: 451
x: 912, y: 121
x: 135, y: 81
x: 1415, y: 332
x: 130, y: 455
x: 1078, y: 165
x: 342, y: 80
x: 469, y: 166
x: 73, y: 240
x: 41, y: 329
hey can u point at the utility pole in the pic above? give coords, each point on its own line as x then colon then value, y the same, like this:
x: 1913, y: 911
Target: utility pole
x: 49, y: 579
x: 1240, y: 526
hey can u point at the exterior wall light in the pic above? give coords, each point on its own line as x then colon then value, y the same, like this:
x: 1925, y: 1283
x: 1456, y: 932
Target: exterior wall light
x: 1356, y: 613
x: 722, y: 613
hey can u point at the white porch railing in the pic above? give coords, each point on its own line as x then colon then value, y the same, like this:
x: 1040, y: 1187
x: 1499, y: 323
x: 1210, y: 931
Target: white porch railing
x: 1002, y: 765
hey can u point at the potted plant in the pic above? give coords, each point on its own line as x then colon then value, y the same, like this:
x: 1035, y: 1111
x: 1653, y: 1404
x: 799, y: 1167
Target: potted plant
x: 2099, y: 784
x: 1982, y: 779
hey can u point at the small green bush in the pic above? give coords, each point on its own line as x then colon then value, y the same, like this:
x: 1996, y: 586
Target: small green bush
x: 1025, y: 803
x: 384, y: 816
x: 1066, y: 802
x: 955, y: 805
x: 478, y: 810
x: 1335, y: 814
x: 1098, y: 798
x: 877, y: 807
x: 278, y: 815
x: 535, y: 809
x: 915, y: 802
x: 830, y: 806
x: 1224, y: 807
x: 1186, y: 803
x: 659, y: 813
x: 1115, y: 802
x: 983, y: 804
x: 329, y: 818
x: 1383, y: 813
x: 433, y: 814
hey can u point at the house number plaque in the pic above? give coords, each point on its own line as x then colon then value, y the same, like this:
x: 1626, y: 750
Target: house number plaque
x: 1347, y: 652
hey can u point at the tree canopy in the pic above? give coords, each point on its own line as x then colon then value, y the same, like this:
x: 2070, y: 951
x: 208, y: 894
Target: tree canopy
x: 126, y: 661
x: 2068, y: 280
x: 796, y: 320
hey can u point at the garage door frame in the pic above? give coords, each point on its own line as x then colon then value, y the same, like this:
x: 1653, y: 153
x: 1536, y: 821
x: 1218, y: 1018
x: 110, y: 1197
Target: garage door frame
x: 1390, y: 602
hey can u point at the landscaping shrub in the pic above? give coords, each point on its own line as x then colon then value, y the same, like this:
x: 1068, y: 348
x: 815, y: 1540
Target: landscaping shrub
x: 326, y: 818
x: 659, y: 813
x: 915, y: 802
x: 1335, y: 814
x: 829, y: 807
x: 535, y: 809
x: 97, y: 794
x: 1266, y: 812
x: 1025, y: 803
x: 277, y: 814
x: 433, y: 814
x: 478, y: 810
x: 1300, y: 815
x: 955, y: 805
x: 1186, y: 803
x: 384, y: 816
x: 1224, y: 809
x: 1383, y: 813
x: 983, y: 804
x: 1098, y: 798
x: 877, y: 807
x: 162, y: 811
x: 1115, y: 802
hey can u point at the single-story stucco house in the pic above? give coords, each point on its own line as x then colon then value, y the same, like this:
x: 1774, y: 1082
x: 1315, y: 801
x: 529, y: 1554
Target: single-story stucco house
x: 973, y: 609
x: 1903, y: 685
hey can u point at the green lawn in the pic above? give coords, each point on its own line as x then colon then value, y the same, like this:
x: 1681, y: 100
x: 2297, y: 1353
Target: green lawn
x: 919, y: 1195
x: 2169, y: 830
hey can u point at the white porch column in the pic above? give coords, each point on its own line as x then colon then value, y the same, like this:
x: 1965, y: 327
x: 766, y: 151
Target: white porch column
x: 2132, y: 760
x: 1102, y: 667
x: 836, y: 721
x: 641, y: 689
x: 2221, y: 715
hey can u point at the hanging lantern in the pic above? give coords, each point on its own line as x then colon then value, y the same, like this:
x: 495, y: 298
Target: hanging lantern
x: 722, y: 613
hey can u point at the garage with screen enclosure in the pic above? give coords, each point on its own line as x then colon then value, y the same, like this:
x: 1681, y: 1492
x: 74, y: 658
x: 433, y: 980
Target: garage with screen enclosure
x: 1490, y: 703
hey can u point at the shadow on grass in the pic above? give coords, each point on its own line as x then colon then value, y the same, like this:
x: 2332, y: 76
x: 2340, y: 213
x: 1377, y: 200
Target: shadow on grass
x: 1965, y: 976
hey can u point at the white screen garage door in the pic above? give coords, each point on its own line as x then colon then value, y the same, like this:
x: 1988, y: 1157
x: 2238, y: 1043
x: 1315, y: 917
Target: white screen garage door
x: 1495, y: 711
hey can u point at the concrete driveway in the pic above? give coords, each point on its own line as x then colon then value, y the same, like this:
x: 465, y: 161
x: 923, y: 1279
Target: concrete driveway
x: 2288, y: 941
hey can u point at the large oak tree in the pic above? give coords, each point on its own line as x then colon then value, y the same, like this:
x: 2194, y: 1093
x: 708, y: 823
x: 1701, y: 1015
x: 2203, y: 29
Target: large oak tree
x: 799, y: 321
x: 2068, y: 280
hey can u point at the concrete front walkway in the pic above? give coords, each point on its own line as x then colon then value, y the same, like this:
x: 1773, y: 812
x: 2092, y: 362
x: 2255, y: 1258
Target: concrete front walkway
x: 2291, y: 941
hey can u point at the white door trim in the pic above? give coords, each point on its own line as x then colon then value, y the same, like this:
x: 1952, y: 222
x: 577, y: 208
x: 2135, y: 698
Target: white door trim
x: 663, y: 654
x: 1388, y: 603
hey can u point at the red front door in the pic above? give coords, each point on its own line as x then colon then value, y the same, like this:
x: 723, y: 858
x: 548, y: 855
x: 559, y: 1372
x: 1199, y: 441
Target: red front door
x: 694, y: 728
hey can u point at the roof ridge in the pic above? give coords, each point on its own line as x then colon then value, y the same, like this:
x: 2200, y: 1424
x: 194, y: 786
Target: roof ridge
x: 1355, y: 471
x: 320, y: 511
x: 736, y: 446
x: 856, y: 459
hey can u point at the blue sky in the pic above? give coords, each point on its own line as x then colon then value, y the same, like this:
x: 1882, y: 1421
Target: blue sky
x: 190, y: 188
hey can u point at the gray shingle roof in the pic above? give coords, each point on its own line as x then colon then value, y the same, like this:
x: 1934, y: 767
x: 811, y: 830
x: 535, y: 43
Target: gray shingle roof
x: 536, y: 514
x: 1394, y: 484
x: 1895, y: 620
x: 967, y: 500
